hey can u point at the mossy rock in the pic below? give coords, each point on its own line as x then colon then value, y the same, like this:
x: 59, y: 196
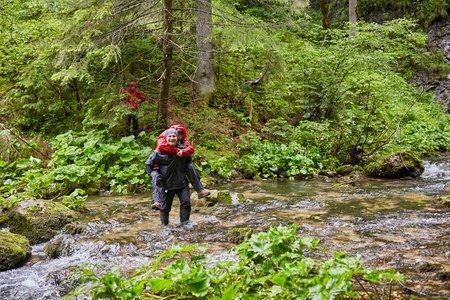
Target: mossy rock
x: 398, y: 165
x: 57, y: 248
x: 224, y: 197
x: 14, y: 250
x: 241, y: 198
x: 4, y: 215
x: 345, y: 170
x: 215, y: 197
x: 446, y: 188
x: 39, y: 220
x: 238, y: 235
x: 249, y: 173
x: 74, y: 228
x: 443, y: 201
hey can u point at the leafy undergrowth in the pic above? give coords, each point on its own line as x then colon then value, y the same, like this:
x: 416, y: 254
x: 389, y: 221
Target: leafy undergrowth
x: 81, y: 162
x: 269, y: 265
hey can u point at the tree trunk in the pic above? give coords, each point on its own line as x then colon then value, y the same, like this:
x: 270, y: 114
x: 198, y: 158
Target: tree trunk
x: 204, y: 73
x: 352, y: 15
x: 324, y: 9
x: 163, y: 105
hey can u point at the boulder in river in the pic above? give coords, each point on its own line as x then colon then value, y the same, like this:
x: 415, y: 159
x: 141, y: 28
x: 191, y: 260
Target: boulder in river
x: 222, y: 196
x: 14, y: 250
x: 345, y: 170
x: 39, y: 220
x: 398, y: 165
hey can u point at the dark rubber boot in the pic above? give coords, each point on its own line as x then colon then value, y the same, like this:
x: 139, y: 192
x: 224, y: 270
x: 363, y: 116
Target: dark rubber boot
x: 164, y: 218
x: 185, y: 213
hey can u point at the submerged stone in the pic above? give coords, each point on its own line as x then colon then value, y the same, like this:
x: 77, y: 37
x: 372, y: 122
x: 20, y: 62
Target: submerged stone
x: 14, y: 250
x: 398, y: 165
x: 39, y: 220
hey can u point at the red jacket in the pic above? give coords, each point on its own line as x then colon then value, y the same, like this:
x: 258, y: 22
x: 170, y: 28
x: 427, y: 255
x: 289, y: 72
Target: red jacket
x: 163, y: 147
x: 134, y: 97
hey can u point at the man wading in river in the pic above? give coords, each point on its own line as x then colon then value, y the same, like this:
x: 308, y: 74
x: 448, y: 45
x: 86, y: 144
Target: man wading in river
x: 184, y: 148
x: 173, y: 178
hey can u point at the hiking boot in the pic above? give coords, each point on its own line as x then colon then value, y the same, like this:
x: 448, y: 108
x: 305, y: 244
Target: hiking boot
x: 156, y: 206
x: 203, y: 194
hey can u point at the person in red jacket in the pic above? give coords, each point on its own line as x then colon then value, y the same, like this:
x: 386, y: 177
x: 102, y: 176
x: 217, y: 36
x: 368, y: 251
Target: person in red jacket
x: 184, y: 148
x: 133, y: 98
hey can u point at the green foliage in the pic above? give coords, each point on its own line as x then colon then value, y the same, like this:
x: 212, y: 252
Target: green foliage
x: 94, y: 157
x: 272, y: 160
x: 272, y: 11
x: 248, y: 142
x: 425, y: 138
x: 269, y: 265
x: 329, y: 94
x: 278, y: 128
x: 75, y: 200
x: 90, y: 161
x: 425, y: 11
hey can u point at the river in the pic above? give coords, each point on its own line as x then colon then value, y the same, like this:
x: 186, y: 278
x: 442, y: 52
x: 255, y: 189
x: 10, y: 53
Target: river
x: 390, y: 223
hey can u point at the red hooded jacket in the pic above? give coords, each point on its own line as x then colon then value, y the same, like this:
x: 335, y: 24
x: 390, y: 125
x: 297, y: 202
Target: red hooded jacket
x: 134, y: 97
x: 162, y: 146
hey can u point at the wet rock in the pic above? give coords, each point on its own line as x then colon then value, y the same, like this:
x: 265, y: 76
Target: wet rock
x: 57, y: 248
x: 356, y: 176
x: 445, y: 275
x: 344, y: 187
x: 73, y: 229
x: 429, y: 267
x: 224, y: 197
x: 345, y: 170
x: 39, y: 220
x: 14, y: 250
x: 4, y: 214
x: 446, y: 188
x: 215, y: 197
x: 328, y: 174
x: 238, y: 235
x: 398, y: 165
x: 442, y: 201
x: 235, y: 173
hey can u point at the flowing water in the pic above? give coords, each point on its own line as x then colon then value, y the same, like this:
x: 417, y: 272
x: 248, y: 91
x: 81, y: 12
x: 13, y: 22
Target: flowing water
x: 390, y: 223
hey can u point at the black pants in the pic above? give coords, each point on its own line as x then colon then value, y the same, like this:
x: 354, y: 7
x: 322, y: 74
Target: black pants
x: 183, y: 195
x: 194, y: 177
x: 135, y: 123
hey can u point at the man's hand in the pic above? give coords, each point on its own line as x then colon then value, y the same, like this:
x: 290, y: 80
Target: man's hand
x: 180, y: 153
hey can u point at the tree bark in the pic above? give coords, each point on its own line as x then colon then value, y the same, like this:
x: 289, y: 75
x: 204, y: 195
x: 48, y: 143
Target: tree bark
x: 352, y: 15
x: 163, y: 104
x: 324, y: 9
x: 204, y: 73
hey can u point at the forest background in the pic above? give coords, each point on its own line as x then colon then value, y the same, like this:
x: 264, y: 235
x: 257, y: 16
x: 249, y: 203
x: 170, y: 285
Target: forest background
x: 265, y: 89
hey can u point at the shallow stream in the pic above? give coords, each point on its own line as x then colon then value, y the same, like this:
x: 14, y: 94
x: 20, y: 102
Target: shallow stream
x: 390, y: 223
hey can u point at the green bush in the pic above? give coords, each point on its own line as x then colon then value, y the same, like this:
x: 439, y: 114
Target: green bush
x: 424, y: 138
x: 89, y: 161
x: 272, y: 160
x: 270, y: 265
